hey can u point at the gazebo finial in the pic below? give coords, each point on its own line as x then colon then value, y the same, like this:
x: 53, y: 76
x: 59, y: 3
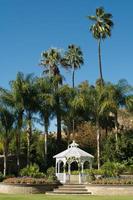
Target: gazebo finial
x: 73, y: 144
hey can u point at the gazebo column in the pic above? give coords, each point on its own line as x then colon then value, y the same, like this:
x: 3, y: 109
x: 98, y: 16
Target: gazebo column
x: 90, y: 164
x: 69, y: 169
x: 79, y: 169
x: 58, y: 165
x: 82, y: 168
x: 64, y: 172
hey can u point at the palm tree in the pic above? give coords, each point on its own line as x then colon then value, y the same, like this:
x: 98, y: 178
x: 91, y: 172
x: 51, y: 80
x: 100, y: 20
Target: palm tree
x: 22, y: 99
x: 14, y: 99
x: 6, y: 120
x: 120, y: 93
x: 30, y: 107
x: 73, y: 58
x: 45, y: 105
x: 67, y: 95
x: 94, y: 103
x: 17, y: 102
x: 129, y: 103
x: 51, y: 60
x: 101, y: 29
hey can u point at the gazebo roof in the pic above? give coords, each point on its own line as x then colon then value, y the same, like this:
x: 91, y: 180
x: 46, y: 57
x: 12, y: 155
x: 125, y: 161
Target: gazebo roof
x: 73, y: 151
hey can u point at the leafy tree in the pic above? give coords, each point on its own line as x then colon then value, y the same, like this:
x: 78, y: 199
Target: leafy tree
x: 101, y: 29
x: 86, y: 136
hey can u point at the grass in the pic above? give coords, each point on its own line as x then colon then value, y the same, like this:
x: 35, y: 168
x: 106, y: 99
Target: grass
x: 62, y: 197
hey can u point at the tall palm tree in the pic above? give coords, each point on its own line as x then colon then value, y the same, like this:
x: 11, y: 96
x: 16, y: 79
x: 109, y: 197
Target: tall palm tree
x: 101, y: 29
x: 73, y: 58
x: 51, y: 60
x: 6, y: 121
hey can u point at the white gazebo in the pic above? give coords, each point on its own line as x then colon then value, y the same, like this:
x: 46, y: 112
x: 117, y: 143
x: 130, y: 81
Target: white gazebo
x: 69, y: 156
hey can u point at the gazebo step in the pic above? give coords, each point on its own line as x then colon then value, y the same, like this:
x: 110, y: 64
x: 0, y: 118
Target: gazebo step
x: 72, y: 186
x: 71, y: 189
x: 69, y: 192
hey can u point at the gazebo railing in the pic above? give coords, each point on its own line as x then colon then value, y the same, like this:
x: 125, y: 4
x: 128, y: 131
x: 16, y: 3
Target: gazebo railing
x: 69, y: 178
x: 61, y: 177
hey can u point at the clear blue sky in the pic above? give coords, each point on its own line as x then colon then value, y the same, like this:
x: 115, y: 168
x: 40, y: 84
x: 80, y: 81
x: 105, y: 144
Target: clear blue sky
x: 27, y: 27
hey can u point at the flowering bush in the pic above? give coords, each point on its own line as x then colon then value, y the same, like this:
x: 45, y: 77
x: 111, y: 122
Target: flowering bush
x: 31, y: 175
x: 25, y: 180
x: 113, y: 181
x: 28, y: 180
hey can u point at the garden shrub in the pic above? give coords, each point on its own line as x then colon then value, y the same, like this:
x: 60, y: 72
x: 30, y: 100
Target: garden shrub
x: 1, y: 177
x: 130, y: 169
x: 51, y: 174
x: 51, y: 171
x: 32, y: 171
x: 94, y: 171
x: 111, y: 169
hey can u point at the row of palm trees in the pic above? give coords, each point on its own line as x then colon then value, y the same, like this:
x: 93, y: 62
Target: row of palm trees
x: 32, y: 99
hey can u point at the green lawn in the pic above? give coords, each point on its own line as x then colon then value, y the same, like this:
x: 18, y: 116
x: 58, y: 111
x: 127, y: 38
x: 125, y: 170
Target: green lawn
x: 63, y: 197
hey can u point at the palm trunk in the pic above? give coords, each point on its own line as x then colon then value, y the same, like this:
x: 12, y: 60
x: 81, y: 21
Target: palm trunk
x: 46, y: 139
x: 73, y: 123
x: 73, y: 71
x: 100, y: 62
x: 18, y: 150
x: 58, y: 126
x: 5, y: 156
x: 5, y: 164
x: 73, y: 127
x: 98, y: 143
x: 116, y: 132
x: 20, y: 119
x: 29, y: 135
x: 58, y: 114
